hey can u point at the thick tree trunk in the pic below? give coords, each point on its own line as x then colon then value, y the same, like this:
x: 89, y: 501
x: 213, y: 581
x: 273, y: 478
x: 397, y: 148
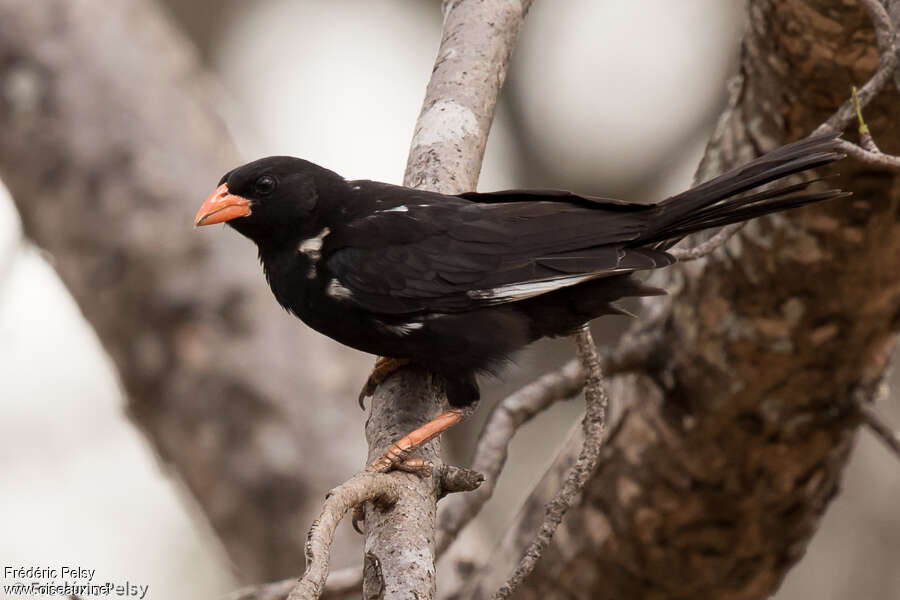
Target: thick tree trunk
x: 110, y: 142
x: 717, y: 479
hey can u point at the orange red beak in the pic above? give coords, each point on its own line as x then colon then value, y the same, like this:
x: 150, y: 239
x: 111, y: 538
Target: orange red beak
x: 221, y: 206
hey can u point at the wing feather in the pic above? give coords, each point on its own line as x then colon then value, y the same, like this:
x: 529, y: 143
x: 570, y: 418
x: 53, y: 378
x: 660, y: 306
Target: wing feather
x: 455, y: 253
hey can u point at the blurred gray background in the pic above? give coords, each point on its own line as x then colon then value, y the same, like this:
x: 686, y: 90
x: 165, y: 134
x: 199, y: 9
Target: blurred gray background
x: 594, y: 103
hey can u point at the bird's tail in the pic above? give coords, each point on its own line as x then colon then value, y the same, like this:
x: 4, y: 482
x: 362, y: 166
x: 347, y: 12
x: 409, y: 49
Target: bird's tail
x: 724, y: 200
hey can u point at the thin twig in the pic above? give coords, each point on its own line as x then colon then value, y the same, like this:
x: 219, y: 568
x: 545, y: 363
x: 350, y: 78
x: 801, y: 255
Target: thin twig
x: 709, y: 246
x: 459, y: 479
x: 277, y: 590
x: 880, y: 428
x: 876, y: 159
x: 491, y: 452
x: 867, y: 151
x: 893, y: 8
x: 381, y: 489
x: 339, y: 584
x: 594, y: 425
x: 493, y: 445
x: 882, y: 23
x: 887, y: 64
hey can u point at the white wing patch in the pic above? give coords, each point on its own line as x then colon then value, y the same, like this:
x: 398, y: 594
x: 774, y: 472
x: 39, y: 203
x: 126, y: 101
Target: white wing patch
x: 402, y: 328
x: 529, y: 289
x: 337, y: 291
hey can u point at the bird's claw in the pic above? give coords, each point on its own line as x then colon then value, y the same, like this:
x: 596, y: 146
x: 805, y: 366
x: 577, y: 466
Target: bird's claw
x: 367, y: 390
x: 359, y: 516
x: 397, y: 455
x: 384, y: 368
x: 420, y: 466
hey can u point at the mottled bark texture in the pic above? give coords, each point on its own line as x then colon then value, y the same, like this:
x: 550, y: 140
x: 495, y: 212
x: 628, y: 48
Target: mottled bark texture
x: 716, y: 480
x: 399, y: 550
x: 451, y: 133
x: 445, y: 155
x: 110, y: 142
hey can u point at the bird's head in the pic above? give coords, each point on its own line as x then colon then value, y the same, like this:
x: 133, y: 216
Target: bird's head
x: 264, y: 197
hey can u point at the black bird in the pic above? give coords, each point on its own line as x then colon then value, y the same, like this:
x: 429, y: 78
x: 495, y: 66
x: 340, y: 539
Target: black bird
x: 456, y: 284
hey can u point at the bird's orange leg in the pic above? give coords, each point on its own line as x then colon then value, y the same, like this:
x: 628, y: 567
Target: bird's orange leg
x: 395, y: 457
x: 384, y: 368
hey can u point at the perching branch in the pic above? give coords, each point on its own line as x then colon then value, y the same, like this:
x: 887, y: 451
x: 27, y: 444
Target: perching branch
x: 381, y: 490
x: 445, y: 155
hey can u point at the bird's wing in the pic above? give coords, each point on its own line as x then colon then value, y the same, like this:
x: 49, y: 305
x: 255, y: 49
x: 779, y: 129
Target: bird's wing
x: 458, y: 253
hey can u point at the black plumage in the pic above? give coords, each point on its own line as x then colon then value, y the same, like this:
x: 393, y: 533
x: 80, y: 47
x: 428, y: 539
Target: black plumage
x: 458, y: 283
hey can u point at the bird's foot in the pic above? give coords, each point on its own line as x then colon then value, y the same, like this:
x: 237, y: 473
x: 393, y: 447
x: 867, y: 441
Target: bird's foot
x: 397, y: 456
x: 420, y: 466
x: 384, y: 368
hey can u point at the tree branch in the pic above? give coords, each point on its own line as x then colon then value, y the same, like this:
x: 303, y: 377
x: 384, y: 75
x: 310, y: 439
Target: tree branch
x: 880, y: 428
x: 339, y: 584
x: 383, y: 491
x: 709, y: 246
x: 445, y: 156
x: 634, y: 351
x: 887, y: 65
x: 593, y: 426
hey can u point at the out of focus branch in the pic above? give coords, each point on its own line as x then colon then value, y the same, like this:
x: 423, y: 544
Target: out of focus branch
x: 880, y: 428
x: 106, y: 154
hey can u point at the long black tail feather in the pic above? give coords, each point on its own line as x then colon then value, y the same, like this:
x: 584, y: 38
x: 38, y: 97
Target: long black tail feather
x: 723, y: 201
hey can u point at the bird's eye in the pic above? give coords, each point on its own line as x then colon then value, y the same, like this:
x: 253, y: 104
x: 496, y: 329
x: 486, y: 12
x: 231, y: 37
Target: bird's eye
x: 265, y: 185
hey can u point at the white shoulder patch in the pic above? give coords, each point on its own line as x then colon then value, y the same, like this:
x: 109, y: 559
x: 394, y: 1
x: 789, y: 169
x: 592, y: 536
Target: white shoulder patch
x: 313, y: 244
x: 312, y: 248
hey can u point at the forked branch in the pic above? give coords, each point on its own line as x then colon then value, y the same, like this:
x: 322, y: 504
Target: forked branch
x: 382, y: 490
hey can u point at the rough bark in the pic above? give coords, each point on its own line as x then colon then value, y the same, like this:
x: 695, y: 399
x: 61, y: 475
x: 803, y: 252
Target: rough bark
x: 110, y: 142
x: 716, y: 480
x: 445, y: 155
